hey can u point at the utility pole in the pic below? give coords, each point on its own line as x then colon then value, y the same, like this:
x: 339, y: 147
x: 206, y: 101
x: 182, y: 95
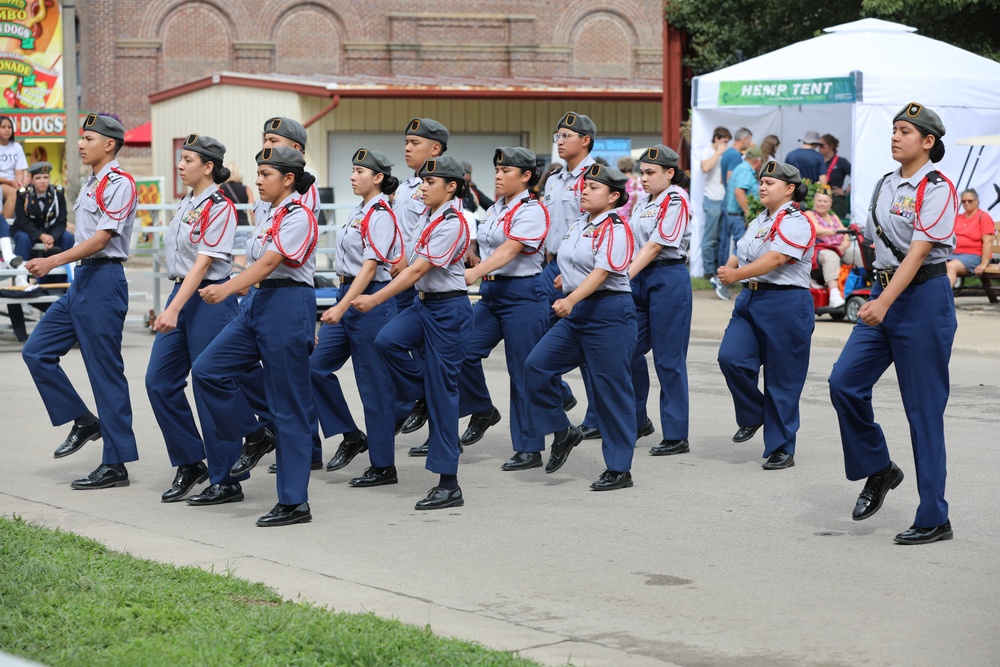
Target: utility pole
x: 71, y: 103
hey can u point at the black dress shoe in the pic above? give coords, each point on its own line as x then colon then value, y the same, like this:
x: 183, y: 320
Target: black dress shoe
x: 779, y: 461
x: 185, y: 479
x: 346, y: 453
x: 668, y: 448
x: 103, y: 478
x: 376, y: 477
x: 217, y: 494
x: 77, y: 438
x: 286, y: 515
x: 419, y: 450
x: 914, y: 535
x: 611, y: 480
x: 399, y: 426
x: 569, y: 403
x: 746, y: 432
x: 316, y: 465
x: 647, y: 428
x: 870, y: 500
x: 589, y: 432
x: 562, y: 447
x: 252, y: 452
x: 417, y: 417
x: 523, y: 461
x: 438, y: 499
x: 478, y: 425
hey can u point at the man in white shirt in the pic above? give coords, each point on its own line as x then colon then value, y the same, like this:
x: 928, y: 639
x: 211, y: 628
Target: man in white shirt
x: 714, y: 195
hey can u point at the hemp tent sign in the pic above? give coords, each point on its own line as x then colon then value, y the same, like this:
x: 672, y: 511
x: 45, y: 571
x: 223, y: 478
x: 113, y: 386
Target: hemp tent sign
x: 831, y: 90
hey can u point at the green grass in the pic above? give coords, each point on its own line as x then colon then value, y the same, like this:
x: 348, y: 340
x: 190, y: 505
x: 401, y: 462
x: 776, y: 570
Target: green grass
x: 67, y: 600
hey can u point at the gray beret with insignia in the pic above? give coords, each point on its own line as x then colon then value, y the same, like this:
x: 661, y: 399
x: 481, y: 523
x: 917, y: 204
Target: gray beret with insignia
x: 508, y: 156
x: 445, y: 167
x: 662, y: 155
x: 611, y: 177
x: 428, y: 128
x: 40, y: 168
x: 209, y: 148
x: 281, y: 156
x: 781, y: 171
x: 922, y: 117
x: 105, y: 126
x: 374, y: 160
x: 287, y: 128
x: 578, y: 123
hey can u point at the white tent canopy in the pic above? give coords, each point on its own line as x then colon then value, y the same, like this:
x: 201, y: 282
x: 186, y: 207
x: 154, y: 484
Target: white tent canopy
x: 888, y: 66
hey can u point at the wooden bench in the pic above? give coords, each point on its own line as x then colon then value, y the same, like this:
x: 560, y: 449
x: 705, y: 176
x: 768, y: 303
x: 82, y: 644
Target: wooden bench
x: 990, y: 278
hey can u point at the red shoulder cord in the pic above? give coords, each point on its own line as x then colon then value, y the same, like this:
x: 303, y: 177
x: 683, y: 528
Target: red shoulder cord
x: 578, y: 188
x: 123, y: 212
x: 199, y: 230
x: 681, y: 223
x: 309, y: 244
x: 918, y: 225
x: 366, y: 237
x: 425, y: 236
x: 607, y: 228
x: 776, y: 230
x: 310, y: 193
x: 508, y: 223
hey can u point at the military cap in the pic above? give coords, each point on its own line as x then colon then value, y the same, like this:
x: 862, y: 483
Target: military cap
x: 662, y: 155
x: 287, y: 128
x: 105, y: 126
x: 40, y: 168
x: 922, y: 117
x: 445, y: 167
x: 611, y: 177
x: 578, y: 123
x: 281, y: 156
x: 374, y: 160
x: 207, y: 147
x: 428, y: 128
x: 781, y: 171
x: 509, y: 156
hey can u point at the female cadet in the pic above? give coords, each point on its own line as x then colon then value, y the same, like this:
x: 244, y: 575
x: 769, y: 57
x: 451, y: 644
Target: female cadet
x: 199, y: 247
x: 773, y: 318
x: 275, y: 325
x: 510, y: 310
x: 661, y: 288
x: 366, y: 247
x: 598, y: 328
x: 440, y: 321
x: 910, y: 322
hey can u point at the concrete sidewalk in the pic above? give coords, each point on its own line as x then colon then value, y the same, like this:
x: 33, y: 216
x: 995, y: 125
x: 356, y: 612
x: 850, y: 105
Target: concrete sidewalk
x: 708, y: 560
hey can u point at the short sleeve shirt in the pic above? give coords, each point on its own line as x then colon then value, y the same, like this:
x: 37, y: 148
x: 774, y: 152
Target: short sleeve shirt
x: 118, y: 216
x: 791, y: 239
x: 969, y: 232
x: 809, y: 163
x: 585, y: 248
x: 186, y: 238
x: 839, y: 172
x: 12, y: 159
x: 444, y: 247
x: 730, y: 158
x: 293, y: 240
x: 743, y: 178
x: 664, y: 220
x: 526, y: 224
x: 562, y: 198
x: 713, y: 187
x: 379, y: 240
x: 408, y: 204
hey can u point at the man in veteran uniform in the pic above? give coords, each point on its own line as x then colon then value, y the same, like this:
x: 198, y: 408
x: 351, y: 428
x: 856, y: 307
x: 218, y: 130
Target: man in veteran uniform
x: 40, y: 214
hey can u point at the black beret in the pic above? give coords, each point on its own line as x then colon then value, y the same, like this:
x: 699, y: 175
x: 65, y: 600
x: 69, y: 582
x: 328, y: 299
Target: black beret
x: 578, y: 123
x: 287, y: 128
x: 508, y: 156
x: 105, y: 126
x: 662, y: 155
x: 428, y: 128
x: 611, y: 177
x: 281, y: 156
x: 207, y: 147
x: 40, y: 168
x: 781, y: 171
x: 922, y: 117
x: 374, y: 160
x: 445, y: 167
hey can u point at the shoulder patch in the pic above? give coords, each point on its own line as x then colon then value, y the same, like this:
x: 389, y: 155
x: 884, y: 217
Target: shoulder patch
x: 217, y: 197
x: 935, y: 177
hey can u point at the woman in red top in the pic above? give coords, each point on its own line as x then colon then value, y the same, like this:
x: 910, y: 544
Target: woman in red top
x: 973, y: 239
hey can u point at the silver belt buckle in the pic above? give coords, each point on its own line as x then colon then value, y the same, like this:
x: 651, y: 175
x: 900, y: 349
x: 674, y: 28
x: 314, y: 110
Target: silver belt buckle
x: 752, y: 285
x: 883, y: 278
x: 421, y: 295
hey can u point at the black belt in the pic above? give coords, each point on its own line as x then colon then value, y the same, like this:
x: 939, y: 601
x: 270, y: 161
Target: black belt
x: 666, y: 262
x: 600, y: 294
x: 100, y: 261
x: 925, y: 273
x: 203, y: 283
x: 273, y: 283
x: 490, y: 279
x: 755, y: 285
x: 438, y: 296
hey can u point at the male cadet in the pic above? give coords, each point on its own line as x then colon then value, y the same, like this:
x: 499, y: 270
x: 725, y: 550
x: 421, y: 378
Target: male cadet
x: 575, y: 136
x: 425, y: 138
x: 40, y: 214
x: 92, y: 313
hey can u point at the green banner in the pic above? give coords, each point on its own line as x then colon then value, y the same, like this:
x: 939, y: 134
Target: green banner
x: 834, y: 90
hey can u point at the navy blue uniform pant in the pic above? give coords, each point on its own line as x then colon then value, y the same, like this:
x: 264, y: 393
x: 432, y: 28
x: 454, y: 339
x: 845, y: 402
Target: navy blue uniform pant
x: 92, y: 313
x: 916, y: 335
x: 663, y: 316
x: 276, y: 327
x: 23, y: 243
x: 354, y: 338
x: 771, y: 330
x: 602, y: 334
x: 509, y: 311
x: 404, y: 300
x: 443, y: 329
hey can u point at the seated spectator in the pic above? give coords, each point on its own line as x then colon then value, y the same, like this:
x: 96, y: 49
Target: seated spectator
x: 832, y: 246
x: 810, y: 164
x: 769, y: 148
x: 837, y: 171
x: 973, y: 239
x: 40, y: 215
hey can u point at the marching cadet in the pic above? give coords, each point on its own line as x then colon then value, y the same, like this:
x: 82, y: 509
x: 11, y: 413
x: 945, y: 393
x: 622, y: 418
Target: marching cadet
x: 199, y: 252
x: 275, y: 325
x: 425, y: 138
x: 597, y: 327
x: 510, y: 309
x: 368, y: 245
x: 439, y: 321
x: 773, y: 319
x: 661, y: 288
x: 92, y: 312
x: 40, y: 214
x: 908, y: 322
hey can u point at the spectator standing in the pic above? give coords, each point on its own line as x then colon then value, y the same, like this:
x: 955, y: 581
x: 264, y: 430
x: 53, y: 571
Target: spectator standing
x: 810, y: 164
x: 714, y: 195
x: 837, y: 171
x: 742, y: 184
x: 769, y: 148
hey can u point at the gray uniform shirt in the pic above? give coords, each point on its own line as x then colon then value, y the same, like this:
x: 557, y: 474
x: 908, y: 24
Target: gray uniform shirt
x: 757, y: 242
x: 580, y: 254
x: 353, y: 248
x: 672, y: 230
x: 562, y: 198
x: 119, y: 195
x: 444, y: 249
x: 896, y: 210
x: 216, y: 241
x: 527, y: 225
x: 294, y: 234
x: 408, y: 204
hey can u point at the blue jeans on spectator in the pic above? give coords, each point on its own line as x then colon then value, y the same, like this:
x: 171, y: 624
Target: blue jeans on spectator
x: 710, y: 238
x: 734, y: 225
